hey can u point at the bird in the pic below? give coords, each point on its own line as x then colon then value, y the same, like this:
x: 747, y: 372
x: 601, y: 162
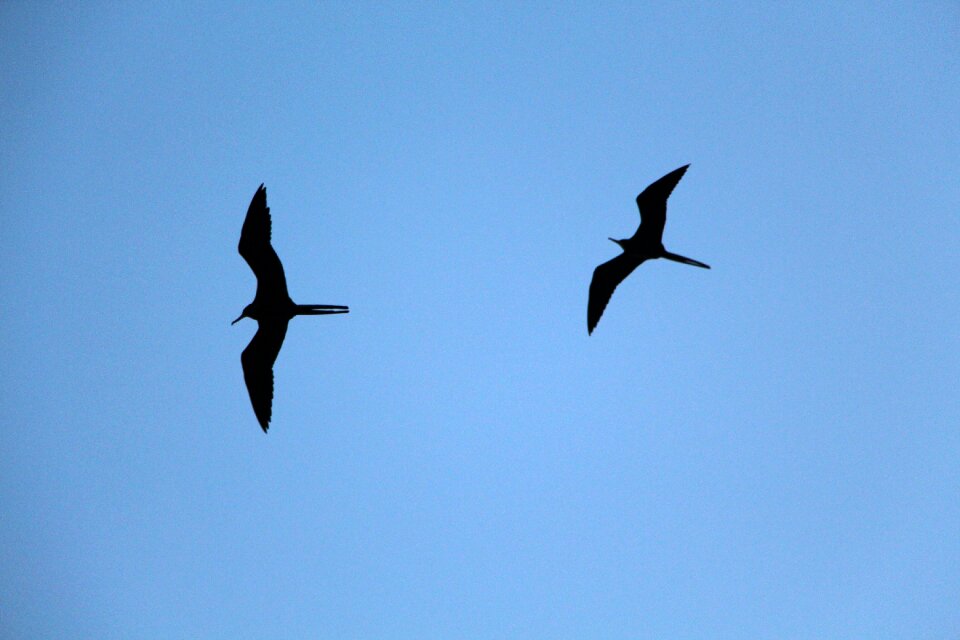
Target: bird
x: 646, y: 244
x: 272, y: 307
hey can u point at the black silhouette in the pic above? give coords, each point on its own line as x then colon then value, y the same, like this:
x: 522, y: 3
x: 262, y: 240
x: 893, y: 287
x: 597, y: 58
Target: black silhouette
x: 272, y: 307
x: 646, y: 244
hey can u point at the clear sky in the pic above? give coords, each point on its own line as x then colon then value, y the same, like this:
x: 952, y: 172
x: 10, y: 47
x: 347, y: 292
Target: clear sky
x: 769, y: 449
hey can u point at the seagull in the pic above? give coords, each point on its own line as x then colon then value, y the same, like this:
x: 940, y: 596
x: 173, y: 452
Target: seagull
x: 272, y: 307
x: 646, y: 244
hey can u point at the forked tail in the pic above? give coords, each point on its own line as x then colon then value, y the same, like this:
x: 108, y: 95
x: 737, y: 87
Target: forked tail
x: 678, y: 258
x: 320, y: 309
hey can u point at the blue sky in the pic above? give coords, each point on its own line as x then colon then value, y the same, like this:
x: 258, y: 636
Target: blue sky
x: 769, y: 449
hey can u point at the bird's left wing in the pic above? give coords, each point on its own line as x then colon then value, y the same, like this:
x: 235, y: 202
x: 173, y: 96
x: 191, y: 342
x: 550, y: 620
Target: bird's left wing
x: 257, y: 360
x: 256, y: 249
x: 606, y: 277
x: 652, y: 203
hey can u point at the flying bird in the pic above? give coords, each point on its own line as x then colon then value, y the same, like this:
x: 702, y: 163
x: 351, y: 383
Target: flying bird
x: 646, y: 244
x: 272, y: 307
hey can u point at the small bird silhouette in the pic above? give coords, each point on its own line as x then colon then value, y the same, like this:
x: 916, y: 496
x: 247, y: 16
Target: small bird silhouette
x: 646, y: 244
x: 272, y: 307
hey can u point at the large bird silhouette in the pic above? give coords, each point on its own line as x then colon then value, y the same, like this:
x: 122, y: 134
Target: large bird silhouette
x: 272, y: 307
x: 646, y: 244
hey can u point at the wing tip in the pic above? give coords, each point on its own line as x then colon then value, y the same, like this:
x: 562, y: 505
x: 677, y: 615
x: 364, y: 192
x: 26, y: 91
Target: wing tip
x: 594, y: 314
x: 259, y: 199
x: 655, y: 188
x: 679, y: 171
x: 264, y: 420
x: 593, y: 322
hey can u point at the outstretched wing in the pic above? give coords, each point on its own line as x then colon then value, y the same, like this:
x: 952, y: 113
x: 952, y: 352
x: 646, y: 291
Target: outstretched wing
x: 257, y: 360
x: 606, y: 277
x: 652, y: 203
x: 256, y: 249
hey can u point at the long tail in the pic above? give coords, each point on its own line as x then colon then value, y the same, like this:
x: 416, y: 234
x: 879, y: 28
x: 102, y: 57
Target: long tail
x: 684, y: 260
x: 320, y: 309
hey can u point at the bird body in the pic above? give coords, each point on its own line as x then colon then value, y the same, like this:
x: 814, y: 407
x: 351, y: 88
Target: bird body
x: 272, y: 307
x: 645, y: 244
x: 642, y: 248
x: 280, y: 310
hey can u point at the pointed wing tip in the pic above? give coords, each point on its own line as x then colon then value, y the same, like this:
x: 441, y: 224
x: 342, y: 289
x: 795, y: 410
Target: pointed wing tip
x: 263, y: 413
x: 661, y: 188
x: 593, y: 322
x: 259, y: 198
x: 263, y: 420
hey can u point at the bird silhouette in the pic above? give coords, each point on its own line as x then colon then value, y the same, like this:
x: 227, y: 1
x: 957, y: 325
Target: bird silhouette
x: 646, y: 244
x: 272, y: 307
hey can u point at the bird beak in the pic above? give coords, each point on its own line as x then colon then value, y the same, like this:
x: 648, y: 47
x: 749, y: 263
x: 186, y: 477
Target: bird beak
x: 237, y: 320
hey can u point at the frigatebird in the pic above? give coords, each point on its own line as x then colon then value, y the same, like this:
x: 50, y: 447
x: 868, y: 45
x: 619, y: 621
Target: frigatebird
x: 646, y: 244
x: 272, y: 307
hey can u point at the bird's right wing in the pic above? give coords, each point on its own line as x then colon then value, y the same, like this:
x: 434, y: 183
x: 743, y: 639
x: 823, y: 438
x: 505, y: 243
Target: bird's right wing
x: 256, y: 249
x: 652, y: 203
x: 257, y: 360
x: 606, y: 277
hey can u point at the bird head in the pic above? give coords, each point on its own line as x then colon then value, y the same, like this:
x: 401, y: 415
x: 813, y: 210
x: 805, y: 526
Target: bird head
x: 245, y: 314
x: 619, y: 242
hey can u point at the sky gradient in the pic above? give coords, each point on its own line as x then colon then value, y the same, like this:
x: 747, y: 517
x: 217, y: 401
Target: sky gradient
x: 769, y: 449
